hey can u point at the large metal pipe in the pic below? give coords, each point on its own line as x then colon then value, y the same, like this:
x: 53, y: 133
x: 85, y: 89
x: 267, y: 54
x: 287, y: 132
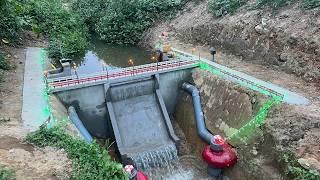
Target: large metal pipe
x: 201, y: 126
x: 79, y: 125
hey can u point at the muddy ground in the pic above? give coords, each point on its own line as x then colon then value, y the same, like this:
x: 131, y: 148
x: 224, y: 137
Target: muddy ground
x: 27, y: 161
x: 281, y: 48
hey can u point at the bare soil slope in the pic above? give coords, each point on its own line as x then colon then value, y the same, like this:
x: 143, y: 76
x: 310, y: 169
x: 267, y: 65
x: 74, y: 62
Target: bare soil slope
x: 288, y: 40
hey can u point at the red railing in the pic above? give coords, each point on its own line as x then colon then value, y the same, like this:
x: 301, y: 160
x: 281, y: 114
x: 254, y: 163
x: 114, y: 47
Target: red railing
x: 130, y: 71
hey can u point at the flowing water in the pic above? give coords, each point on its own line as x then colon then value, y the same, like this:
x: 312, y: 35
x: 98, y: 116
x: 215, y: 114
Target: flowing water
x: 160, y: 157
x: 185, y: 168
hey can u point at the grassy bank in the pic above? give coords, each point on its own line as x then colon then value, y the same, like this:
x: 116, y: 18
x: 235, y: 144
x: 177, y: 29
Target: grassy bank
x: 90, y: 161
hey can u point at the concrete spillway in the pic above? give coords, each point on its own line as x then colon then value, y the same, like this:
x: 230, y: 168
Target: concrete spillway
x: 141, y: 123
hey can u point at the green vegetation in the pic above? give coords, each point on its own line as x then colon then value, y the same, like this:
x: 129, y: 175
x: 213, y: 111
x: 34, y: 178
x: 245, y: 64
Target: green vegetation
x: 67, y: 25
x: 275, y: 4
x: 310, y: 4
x: 90, y: 161
x: 90, y: 11
x: 295, y: 171
x: 66, y: 31
x: 6, y: 173
x: 4, y: 64
x: 123, y: 21
x: 223, y: 7
x: 49, y: 18
x: 10, y: 22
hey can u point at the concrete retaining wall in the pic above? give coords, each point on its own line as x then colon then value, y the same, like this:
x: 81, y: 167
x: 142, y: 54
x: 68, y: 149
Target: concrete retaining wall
x: 226, y: 107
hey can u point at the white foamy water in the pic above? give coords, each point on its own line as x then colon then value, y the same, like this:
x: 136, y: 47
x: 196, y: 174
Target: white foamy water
x: 183, y: 169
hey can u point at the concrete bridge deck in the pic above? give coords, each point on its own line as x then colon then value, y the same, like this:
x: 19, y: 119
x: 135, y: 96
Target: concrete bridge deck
x: 74, y: 82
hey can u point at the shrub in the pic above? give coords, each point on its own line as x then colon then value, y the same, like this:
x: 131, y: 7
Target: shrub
x: 124, y: 21
x: 274, y: 4
x: 90, y: 161
x: 65, y: 29
x: 309, y: 4
x: 51, y: 17
x: 68, y: 45
x: 4, y: 64
x: 90, y: 11
x: 222, y: 7
x: 10, y: 23
x: 6, y: 174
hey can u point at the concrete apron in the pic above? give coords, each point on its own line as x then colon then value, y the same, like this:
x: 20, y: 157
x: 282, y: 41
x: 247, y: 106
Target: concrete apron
x: 35, y: 109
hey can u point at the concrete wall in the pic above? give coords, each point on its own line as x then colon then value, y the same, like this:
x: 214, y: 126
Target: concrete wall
x: 91, y: 108
x: 91, y: 105
x: 226, y: 107
x: 170, y: 85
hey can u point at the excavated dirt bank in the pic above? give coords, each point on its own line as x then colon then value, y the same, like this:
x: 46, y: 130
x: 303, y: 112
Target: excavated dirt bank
x: 288, y: 40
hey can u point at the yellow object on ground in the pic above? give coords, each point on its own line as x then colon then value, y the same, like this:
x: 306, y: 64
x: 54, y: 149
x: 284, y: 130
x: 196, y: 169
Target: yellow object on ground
x: 166, y: 48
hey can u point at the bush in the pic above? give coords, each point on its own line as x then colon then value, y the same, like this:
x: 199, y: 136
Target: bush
x: 68, y: 45
x: 222, y: 7
x: 309, y: 4
x: 4, y: 64
x: 274, y: 4
x: 10, y: 22
x: 6, y: 174
x: 90, y: 11
x: 90, y: 161
x: 124, y: 21
x: 52, y: 18
x: 66, y: 31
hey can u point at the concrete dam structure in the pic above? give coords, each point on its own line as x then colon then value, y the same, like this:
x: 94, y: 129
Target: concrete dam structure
x: 134, y: 110
x: 132, y: 105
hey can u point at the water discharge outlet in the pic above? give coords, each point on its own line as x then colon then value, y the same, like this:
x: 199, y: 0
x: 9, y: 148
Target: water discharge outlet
x: 218, y: 154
